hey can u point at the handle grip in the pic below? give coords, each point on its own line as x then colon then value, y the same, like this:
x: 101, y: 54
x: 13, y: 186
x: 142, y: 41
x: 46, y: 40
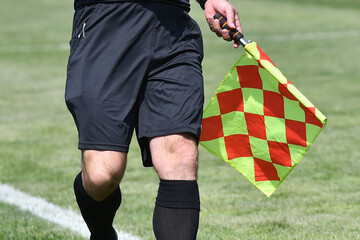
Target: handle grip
x: 234, y: 33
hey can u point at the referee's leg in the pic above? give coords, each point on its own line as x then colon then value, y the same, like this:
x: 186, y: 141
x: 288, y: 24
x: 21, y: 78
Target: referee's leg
x: 176, y: 214
x: 97, y: 191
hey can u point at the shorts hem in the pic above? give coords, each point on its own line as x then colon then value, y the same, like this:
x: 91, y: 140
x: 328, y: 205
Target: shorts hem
x: 102, y: 146
x: 165, y: 132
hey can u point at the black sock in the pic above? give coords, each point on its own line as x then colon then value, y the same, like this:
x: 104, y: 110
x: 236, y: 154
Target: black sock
x: 99, y: 216
x: 176, y: 214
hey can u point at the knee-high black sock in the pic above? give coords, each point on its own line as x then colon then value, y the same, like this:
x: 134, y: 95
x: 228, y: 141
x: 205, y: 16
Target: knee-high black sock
x: 176, y: 214
x: 98, y: 216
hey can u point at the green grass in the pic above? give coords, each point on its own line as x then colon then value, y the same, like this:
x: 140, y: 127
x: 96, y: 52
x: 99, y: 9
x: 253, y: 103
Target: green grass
x: 319, y: 200
x: 18, y: 225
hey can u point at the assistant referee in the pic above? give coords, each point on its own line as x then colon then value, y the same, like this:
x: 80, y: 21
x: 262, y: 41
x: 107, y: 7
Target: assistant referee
x: 137, y: 65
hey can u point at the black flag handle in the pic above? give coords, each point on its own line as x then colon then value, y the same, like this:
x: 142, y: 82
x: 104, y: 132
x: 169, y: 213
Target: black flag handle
x: 235, y: 35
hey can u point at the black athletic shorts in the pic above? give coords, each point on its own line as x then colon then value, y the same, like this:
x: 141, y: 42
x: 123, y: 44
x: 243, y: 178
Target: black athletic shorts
x: 134, y: 65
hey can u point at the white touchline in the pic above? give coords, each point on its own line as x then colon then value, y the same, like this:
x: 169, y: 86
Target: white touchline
x: 41, y: 208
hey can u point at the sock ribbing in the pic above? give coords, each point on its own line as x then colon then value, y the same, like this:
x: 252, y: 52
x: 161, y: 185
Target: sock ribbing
x: 176, y: 213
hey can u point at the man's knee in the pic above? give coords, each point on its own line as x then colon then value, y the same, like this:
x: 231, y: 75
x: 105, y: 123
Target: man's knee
x: 175, y: 157
x: 102, y: 172
x: 100, y: 179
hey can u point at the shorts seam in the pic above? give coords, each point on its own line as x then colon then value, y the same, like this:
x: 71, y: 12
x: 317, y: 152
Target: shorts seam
x: 178, y: 130
x: 103, y: 144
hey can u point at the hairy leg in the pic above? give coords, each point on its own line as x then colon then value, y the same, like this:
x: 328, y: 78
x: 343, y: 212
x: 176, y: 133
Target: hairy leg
x: 175, y: 157
x: 97, y: 191
x: 176, y: 213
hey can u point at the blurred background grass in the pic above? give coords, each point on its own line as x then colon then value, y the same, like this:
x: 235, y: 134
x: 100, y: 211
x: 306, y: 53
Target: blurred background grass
x: 319, y: 200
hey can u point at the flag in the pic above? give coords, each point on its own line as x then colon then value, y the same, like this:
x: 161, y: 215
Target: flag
x: 258, y: 122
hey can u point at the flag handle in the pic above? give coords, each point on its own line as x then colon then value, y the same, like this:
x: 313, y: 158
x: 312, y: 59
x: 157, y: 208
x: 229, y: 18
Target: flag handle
x: 235, y: 34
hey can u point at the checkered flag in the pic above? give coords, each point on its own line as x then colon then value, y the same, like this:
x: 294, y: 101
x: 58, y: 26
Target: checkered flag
x: 258, y: 122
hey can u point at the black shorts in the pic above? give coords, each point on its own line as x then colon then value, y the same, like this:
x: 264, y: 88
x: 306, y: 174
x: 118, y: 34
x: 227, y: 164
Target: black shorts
x: 134, y: 65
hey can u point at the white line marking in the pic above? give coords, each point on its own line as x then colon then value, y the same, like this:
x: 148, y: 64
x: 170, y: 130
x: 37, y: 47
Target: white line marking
x: 41, y: 208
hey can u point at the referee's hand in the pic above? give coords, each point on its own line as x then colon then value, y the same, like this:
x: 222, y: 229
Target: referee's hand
x: 226, y: 9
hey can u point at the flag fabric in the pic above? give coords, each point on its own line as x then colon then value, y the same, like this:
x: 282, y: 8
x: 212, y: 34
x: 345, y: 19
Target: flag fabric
x: 258, y: 122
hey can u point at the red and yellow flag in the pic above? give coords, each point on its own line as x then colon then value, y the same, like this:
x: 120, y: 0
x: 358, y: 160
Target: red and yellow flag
x: 258, y: 122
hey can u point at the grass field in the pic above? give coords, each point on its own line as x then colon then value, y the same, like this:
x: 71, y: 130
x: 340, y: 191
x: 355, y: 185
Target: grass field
x: 319, y: 200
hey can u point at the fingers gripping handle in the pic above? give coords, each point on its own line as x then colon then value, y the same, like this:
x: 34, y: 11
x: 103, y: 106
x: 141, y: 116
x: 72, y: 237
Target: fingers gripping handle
x: 234, y: 33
